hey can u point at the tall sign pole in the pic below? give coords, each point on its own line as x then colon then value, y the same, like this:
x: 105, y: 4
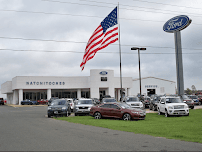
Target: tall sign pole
x: 175, y: 25
x: 179, y: 65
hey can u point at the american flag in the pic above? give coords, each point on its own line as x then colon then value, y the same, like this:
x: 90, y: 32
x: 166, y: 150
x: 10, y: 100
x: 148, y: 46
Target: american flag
x: 105, y: 34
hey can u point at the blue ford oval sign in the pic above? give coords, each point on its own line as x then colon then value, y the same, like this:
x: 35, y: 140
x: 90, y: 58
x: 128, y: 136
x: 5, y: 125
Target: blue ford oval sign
x: 177, y: 23
x: 103, y: 72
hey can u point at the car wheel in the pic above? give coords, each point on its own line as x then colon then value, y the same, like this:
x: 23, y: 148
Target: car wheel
x: 150, y: 107
x: 126, y: 116
x: 75, y: 114
x: 153, y: 108
x: 49, y: 116
x: 159, y: 112
x: 192, y: 107
x: 97, y: 115
x: 166, y: 114
x: 67, y: 114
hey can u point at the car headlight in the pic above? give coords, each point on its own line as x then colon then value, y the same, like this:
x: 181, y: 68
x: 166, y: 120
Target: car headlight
x: 170, y: 107
x: 64, y: 108
x: 141, y: 104
x: 186, y: 106
x: 135, y: 112
x: 49, y: 108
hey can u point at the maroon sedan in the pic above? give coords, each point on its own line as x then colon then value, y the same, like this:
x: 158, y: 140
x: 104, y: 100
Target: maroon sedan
x: 42, y: 101
x: 117, y: 110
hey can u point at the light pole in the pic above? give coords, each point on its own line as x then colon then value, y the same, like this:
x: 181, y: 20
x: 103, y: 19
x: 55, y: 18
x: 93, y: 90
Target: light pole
x: 136, y: 48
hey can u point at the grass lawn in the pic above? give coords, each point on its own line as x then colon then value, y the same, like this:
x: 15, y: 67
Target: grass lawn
x: 186, y: 128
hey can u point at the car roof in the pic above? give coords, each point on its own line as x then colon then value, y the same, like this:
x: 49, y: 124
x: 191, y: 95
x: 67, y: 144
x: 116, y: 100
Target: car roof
x: 84, y: 99
x: 169, y: 97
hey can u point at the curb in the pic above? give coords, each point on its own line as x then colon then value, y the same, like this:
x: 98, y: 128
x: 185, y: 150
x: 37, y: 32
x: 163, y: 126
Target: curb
x: 16, y: 106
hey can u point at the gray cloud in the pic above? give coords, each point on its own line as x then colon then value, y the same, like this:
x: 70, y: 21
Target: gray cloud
x: 79, y: 29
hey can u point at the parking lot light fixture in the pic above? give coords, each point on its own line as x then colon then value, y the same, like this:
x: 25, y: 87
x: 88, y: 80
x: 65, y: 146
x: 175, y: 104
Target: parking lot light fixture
x: 142, y: 49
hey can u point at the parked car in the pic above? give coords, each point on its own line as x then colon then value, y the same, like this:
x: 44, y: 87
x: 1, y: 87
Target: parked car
x: 188, y: 101
x: 51, y: 99
x: 146, y: 102
x: 29, y: 102
x: 2, y: 101
x: 200, y: 99
x: 82, y: 106
x: 117, y: 110
x: 105, y: 96
x: 71, y: 102
x: 133, y: 101
x: 42, y: 101
x: 105, y: 100
x: 172, y: 106
x: 95, y: 101
x: 59, y: 107
x: 195, y: 99
x: 154, y: 102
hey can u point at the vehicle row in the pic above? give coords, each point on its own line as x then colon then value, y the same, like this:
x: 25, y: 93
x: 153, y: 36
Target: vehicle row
x: 34, y: 102
x: 129, y: 108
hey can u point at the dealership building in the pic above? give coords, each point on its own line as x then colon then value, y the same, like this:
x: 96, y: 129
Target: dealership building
x: 100, y: 82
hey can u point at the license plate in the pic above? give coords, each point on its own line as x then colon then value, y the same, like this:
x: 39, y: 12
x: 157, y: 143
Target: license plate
x: 55, y: 112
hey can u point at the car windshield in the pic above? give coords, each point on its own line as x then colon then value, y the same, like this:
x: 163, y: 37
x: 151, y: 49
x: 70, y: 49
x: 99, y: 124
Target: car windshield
x: 193, y: 97
x: 58, y: 102
x: 85, y: 102
x: 124, y: 106
x: 109, y: 100
x: 185, y: 97
x: 132, y: 99
x: 173, y: 100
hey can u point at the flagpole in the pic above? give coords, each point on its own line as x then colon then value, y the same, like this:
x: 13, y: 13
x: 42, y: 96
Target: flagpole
x: 120, y: 52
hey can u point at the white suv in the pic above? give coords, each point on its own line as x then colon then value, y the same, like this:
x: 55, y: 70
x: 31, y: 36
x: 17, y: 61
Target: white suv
x: 172, y: 106
x: 82, y: 106
x: 133, y: 101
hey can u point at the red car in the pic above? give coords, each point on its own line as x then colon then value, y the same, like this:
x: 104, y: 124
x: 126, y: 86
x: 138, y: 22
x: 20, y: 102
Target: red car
x: 42, y: 101
x: 117, y: 110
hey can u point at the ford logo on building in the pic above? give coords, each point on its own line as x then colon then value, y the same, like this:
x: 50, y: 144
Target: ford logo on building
x: 103, y: 72
x: 177, y: 23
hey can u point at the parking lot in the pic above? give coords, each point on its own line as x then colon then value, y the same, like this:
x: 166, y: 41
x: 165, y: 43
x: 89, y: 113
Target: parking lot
x: 27, y: 129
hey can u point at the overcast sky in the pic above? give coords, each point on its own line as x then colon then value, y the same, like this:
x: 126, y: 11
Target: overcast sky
x: 26, y: 25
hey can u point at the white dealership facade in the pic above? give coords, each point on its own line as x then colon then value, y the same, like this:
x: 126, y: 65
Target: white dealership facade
x: 100, y: 82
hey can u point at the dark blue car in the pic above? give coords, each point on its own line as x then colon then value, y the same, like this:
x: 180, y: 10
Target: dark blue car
x: 28, y: 102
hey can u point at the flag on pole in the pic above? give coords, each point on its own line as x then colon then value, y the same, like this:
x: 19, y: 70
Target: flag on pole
x: 105, y: 34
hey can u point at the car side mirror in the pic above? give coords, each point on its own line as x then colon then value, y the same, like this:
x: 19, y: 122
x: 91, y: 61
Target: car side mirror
x: 162, y: 102
x: 118, y: 108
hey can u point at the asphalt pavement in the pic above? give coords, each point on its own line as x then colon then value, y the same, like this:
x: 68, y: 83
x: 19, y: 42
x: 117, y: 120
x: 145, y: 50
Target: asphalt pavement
x: 28, y: 129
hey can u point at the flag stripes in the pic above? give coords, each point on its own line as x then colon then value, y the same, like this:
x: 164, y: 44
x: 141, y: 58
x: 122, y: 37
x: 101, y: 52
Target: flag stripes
x: 100, y: 39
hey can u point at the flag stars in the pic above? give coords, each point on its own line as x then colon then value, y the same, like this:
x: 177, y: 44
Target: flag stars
x: 110, y: 20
